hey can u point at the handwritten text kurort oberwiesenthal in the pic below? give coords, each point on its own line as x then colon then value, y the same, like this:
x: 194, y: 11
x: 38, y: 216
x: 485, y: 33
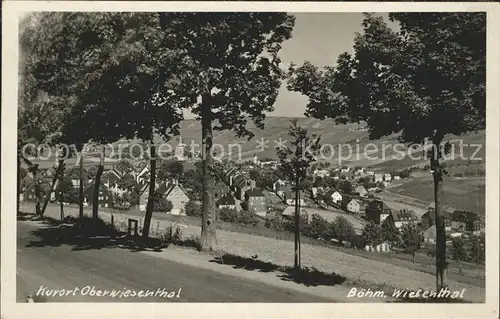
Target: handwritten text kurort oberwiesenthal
x: 92, y: 291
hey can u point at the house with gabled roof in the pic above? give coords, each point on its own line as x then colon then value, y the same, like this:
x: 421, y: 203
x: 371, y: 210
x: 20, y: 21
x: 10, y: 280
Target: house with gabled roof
x: 429, y: 218
x: 290, y: 198
x: 465, y: 221
x: 377, y: 211
x: 350, y: 204
x: 361, y: 191
x: 105, y: 196
x: 256, y: 202
x: 226, y: 201
x: 402, y: 217
x: 177, y: 196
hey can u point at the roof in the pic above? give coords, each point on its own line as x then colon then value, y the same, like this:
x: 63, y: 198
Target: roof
x: 403, y: 214
x: 290, y: 211
x: 226, y: 200
x: 361, y: 189
x: 444, y: 208
x: 430, y: 232
x: 162, y: 189
x: 256, y: 192
x: 469, y: 216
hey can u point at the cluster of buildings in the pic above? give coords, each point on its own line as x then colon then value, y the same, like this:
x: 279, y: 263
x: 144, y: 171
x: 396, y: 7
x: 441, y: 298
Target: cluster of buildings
x: 235, y: 190
x: 348, y: 173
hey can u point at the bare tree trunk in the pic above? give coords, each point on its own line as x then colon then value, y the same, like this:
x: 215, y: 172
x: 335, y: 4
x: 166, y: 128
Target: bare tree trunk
x: 57, y: 176
x: 97, y: 185
x: 37, y: 190
x: 152, y: 182
x: 18, y: 183
x: 61, y: 208
x: 80, y: 189
x: 208, y: 227
x: 296, y: 262
x: 440, y: 226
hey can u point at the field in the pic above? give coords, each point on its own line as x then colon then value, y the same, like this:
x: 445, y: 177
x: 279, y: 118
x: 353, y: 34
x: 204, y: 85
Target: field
x: 461, y: 193
x: 351, y: 136
x: 361, y: 268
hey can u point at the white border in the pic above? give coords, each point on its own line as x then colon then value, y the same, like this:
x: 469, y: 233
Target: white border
x: 11, y: 310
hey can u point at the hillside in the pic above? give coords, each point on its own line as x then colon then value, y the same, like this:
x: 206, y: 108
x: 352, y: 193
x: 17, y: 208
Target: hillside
x: 354, y: 135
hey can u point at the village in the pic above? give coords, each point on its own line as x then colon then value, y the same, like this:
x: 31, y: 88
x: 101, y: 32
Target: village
x: 255, y: 188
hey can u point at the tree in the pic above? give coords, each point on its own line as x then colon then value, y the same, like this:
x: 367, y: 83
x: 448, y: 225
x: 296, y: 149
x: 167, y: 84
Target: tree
x: 319, y: 227
x: 372, y: 234
x: 477, y: 250
x: 193, y: 209
x: 229, y: 71
x: 425, y: 80
x: 295, y: 163
x: 342, y: 229
x: 170, y: 169
x: 346, y: 187
x: 389, y: 232
x: 117, y: 67
x: 411, y: 238
x: 458, y: 249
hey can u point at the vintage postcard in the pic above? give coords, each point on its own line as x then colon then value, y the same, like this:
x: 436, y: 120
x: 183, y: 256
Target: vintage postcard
x: 250, y: 159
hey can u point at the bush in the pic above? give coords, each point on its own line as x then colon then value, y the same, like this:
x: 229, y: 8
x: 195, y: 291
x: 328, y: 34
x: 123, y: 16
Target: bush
x: 458, y: 175
x: 275, y: 222
x: 228, y: 215
x: 358, y: 242
x: 193, y: 209
x: 247, y: 218
x: 319, y: 227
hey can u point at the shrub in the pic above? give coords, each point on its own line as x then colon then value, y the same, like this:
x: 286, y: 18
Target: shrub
x: 193, y: 209
x: 342, y: 229
x: 275, y: 222
x: 319, y: 227
x: 458, y: 175
x: 247, y: 218
x: 228, y: 215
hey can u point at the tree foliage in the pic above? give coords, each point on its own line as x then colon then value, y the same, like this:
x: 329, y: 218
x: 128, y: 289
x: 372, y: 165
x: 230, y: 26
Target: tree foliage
x: 342, y: 229
x: 411, y: 238
x: 372, y: 234
x: 423, y: 81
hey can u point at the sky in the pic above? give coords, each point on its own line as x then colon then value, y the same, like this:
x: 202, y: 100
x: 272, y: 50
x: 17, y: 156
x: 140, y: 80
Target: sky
x: 318, y: 38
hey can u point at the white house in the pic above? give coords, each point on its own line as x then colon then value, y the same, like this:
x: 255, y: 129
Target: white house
x: 336, y: 197
x: 378, y: 178
x: 370, y: 173
x: 397, y: 177
x: 178, y: 198
x: 387, y: 177
x: 321, y: 172
x: 353, y: 206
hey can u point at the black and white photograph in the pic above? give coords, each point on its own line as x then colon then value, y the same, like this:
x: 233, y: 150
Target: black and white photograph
x: 230, y: 155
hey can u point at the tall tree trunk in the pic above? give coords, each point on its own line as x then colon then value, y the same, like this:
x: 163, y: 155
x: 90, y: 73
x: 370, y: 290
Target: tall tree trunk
x: 97, y: 185
x: 440, y: 226
x: 18, y: 183
x: 37, y: 190
x: 296, y: 261
x: 57, y: 176
x: 80, y: 189
x: 208, y: 227
x: 152, y: 182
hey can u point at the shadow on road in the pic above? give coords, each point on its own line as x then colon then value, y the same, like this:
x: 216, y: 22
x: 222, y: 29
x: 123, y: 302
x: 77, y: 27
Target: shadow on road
x: 305, y: 276
x: 88, y: 233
